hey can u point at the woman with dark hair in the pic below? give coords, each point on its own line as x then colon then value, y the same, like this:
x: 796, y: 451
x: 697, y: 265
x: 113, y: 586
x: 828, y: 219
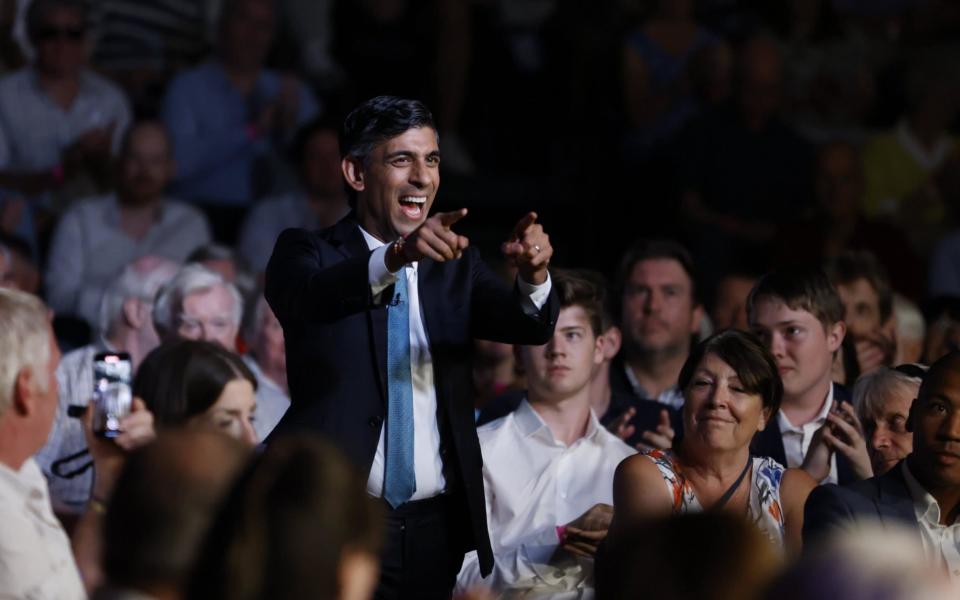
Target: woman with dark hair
x: 731, y: 389
x: 298, y: 525
x: 191, y: 382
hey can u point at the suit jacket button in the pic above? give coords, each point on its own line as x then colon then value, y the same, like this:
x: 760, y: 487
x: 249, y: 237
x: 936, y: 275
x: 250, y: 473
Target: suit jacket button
x: 375, y: 422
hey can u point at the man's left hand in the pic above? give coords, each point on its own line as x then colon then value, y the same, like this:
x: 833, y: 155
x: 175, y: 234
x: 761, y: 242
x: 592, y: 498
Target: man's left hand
x: 529, y: 249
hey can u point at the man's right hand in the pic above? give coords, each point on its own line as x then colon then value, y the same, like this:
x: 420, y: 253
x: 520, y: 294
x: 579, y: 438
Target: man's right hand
x: 434, y: 239
x: 584, y: 534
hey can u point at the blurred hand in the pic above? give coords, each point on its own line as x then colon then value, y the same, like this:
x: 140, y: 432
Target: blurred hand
x: 109, y: 455
x: 875, y: 350
x: 621, y: 426
x: 844, y: 435
x: 660, y: 438
x: 584, y: 534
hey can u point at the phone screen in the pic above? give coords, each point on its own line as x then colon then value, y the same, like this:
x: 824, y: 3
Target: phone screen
x: 112, y: 391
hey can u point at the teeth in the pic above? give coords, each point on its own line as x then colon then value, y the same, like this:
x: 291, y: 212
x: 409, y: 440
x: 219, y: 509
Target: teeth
x: 414, y: 199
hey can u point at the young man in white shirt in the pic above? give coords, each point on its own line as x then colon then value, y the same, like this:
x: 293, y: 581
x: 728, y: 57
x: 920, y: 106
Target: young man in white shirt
x: 549, y: 465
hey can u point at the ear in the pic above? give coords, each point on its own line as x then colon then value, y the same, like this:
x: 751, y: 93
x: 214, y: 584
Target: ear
x: 765, y: 415
x: 599, y: 353
x: 612, y: 340
x: 23, y: 392
x: 352, y: 169
x: 835, y: 335
x: 518, y: 364
x: 133, y: 313
x: 697, y: 317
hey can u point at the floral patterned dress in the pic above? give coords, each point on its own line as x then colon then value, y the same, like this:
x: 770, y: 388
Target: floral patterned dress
x: 764, y: 505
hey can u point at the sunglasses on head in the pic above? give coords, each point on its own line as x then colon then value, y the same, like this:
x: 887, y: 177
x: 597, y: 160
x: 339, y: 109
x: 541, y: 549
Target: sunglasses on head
x: 66, y: 33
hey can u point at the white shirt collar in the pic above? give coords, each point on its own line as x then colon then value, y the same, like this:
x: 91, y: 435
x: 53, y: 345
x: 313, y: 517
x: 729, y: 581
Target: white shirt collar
x: 820, y: 419
x: 925, y: 506
x: 530, y: 423
x: 373, y: 243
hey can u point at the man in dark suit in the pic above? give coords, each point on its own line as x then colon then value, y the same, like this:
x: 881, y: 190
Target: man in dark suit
x: 799, y: 316
x: 379, y: 312
x: 922, y: 491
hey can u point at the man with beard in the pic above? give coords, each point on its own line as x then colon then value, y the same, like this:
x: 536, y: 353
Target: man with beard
x: 99, y: 236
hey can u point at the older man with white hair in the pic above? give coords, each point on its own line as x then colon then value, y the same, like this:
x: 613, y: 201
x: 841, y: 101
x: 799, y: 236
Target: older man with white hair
x: 35, y: 556
x: 126, y: 326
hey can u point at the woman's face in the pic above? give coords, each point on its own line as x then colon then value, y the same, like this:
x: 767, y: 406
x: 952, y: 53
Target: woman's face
x: 232, y: 413
x: 718, y: 412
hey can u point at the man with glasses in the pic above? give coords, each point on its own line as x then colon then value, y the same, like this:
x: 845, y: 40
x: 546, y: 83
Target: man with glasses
x: 127, y: 326
x: 57, y: 117
x: 198, y: 304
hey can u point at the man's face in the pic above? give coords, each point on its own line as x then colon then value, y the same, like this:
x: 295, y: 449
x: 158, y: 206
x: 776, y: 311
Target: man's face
x: 935, y: 420
x: 659, y: 313
x: 248, y: 33
x: 888, y: 440
x: 398, y: 182
x: 563, y: 366
x: 320, y: 168
x: 862, y: 307
x: 60, y: 43
x: 146, y: 167
x: 797, y: 339
x: 730, y: 308
x: 208, y: 315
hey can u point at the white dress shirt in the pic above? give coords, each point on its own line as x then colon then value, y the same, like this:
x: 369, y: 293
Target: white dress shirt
x: 427, y: 464
x: 534, y: 484
x: 941, y: 543
x: 796, y: 440
x: 35, y: 557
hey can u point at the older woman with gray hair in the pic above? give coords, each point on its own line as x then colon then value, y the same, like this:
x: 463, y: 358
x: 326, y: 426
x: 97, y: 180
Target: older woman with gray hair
x: 882, y: 400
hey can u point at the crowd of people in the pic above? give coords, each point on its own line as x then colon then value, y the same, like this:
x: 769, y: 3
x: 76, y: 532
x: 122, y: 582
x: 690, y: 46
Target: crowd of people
x: 683, y: 323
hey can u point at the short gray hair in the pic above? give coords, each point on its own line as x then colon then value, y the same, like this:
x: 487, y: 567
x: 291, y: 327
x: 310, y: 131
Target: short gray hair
x: 24, y: 341
x: 873, y: 389
x: 140, y: 279
x: 191, y: 279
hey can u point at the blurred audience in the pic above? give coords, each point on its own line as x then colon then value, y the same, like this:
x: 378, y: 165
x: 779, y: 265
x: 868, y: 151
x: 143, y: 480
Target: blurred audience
x: 299, y: 522
x: 98, y: 236
x: 126, y: 326
x: 730, y: 301
x: 267, y: 360
x: 883, y: 400
x: 199, y: 304
x: 911, y: 330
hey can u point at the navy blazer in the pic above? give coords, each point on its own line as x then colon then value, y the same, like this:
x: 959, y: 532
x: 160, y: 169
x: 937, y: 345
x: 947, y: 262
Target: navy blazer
x: 885, y: 499
x: 317, y: 284
x: 769, y: 442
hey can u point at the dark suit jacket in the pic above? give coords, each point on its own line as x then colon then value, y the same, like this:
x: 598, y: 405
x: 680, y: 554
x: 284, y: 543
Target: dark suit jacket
x: 769, y: 442
x: 317, y: 284
x: 885, y: 499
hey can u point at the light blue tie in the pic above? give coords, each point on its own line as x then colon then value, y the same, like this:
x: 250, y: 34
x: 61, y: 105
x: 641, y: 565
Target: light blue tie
x: 401, y: 480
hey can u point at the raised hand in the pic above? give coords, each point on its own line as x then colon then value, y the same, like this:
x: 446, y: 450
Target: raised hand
x: 660, y: 438
x: 434, y: 239
x: 844, y: 435
x: 529, y: 249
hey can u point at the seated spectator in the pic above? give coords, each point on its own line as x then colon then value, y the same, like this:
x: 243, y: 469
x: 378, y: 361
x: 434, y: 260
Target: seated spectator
x: 867, y: 298
x: 267, y: 360
x: 198, y: 304
x: 126, y: 327
x: 229, y: 112
x: 730, y: 301
x: 799, y: 316
x: 59, y: 120
x: 168, y: 493
x: 35, y: 556
x: 299, y: 522
x: 548, y: 466
x: 883, y: 399
x: 98, y: 236
x: 922, y: 491
x: 732, y: 390
x: 199, y: 384
x: 495, y: 374
x: 319, y: 202
x: 657, y: 558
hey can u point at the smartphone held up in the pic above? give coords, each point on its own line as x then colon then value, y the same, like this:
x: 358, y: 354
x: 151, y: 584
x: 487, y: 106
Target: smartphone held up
x: 112, y: 392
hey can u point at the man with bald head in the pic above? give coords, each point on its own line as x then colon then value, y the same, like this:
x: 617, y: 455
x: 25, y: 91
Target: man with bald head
x: 922, y: 491
x: 99, y: 236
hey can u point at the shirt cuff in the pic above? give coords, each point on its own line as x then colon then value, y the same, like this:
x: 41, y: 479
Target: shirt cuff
x: 379, y: 276
x: 535, y: 296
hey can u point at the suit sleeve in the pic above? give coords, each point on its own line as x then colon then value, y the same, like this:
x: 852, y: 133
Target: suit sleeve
x: 301, y: 285
x: 827, y: 510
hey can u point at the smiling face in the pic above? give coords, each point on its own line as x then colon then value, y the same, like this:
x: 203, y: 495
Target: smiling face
x: 396, y: 183
x: 800, y: 344
x: 562, y: 367
x: 718, y: 412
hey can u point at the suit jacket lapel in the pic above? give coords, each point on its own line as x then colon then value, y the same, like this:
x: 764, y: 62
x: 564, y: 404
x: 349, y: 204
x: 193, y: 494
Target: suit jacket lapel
x: 894, y: 502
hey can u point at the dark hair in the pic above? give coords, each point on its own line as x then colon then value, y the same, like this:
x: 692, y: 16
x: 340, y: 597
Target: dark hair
x: 183, y: 378
x: 657, y: 249
x: 747, y: 356
x: 852, y: 265
x: 163, y: 504
x: 800, y: 288
x: 585, y: 289
x: 379, y: 119
x: 139, y: 124
x: 285, y: 526
x: 39, y: 9
x: 947, y: 362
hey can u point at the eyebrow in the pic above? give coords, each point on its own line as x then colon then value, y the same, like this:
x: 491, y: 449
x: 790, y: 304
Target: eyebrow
x: 411, y: 154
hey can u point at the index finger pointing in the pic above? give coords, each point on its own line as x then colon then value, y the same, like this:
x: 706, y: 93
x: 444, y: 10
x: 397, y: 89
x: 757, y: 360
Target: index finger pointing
x: 528, y: 220
x: 449, y: 218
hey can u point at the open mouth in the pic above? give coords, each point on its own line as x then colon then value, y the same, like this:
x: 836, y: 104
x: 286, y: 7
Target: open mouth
x: 413, y: 206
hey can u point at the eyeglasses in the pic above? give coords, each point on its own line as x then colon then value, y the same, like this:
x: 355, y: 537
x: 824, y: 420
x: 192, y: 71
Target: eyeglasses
x: 72, y: 34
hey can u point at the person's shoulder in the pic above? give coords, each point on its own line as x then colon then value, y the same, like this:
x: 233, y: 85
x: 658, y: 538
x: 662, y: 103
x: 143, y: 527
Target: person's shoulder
x: 492, y: 430
x: 89, y: 208
x: 193, y: 78
x: 16, y: 79
x: 643, y: 465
